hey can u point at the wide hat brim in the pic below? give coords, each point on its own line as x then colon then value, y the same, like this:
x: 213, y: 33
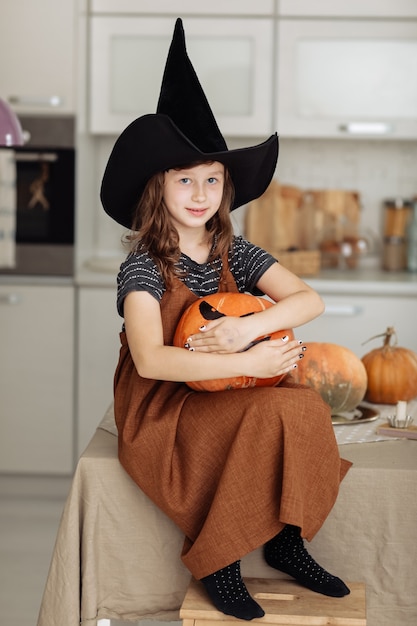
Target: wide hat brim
x: 153, y: 143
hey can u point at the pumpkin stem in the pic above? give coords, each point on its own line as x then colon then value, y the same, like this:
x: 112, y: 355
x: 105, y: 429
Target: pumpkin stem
x: 389, y: 333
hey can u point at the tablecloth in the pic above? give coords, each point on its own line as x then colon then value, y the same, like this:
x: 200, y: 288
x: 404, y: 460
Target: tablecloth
x: 117, y: 556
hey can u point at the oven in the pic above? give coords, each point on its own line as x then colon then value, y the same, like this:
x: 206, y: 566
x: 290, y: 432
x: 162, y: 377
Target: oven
x: 45, y: 199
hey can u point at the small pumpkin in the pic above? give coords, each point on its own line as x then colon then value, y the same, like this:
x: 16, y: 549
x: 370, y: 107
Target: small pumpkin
x: 335, y: 372
x: 392, y: 371
x: 213, y: 307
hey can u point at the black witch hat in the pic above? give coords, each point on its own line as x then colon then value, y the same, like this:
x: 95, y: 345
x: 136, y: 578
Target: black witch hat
x: 182, y: 131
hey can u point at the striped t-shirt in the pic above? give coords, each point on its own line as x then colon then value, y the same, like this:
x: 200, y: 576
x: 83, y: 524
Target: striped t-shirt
x: 247, y: 264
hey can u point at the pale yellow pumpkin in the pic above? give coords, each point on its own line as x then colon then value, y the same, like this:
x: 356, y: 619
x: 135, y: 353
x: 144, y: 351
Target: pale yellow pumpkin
x: 335, y: 372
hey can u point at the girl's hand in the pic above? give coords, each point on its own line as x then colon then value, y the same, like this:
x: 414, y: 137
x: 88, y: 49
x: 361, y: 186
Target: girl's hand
x: 223, y: 336
x: 274, y: 358
x: 265, y: 359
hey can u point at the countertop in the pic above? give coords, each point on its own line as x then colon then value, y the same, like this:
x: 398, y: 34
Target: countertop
x: 364, y: 280
x: 367, y: 279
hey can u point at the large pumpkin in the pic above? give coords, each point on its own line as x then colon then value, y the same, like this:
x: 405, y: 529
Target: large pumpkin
x: 335, y: 372
x: 213, y: 307
x: 392, y: 371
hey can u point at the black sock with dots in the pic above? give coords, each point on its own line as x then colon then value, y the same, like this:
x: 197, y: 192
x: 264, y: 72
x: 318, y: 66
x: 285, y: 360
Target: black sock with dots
x: 286, y: 552
x: 229, y: 594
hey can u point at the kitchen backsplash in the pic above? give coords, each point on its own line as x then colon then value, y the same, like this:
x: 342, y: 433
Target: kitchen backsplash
x: 376, y: 169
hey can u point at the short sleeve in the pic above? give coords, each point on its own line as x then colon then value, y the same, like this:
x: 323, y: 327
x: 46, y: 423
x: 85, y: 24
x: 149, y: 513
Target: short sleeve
x: 138, y: 273
x: 248, y: 263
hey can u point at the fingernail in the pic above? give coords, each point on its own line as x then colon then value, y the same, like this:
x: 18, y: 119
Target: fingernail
x: 301, y: 356
x: 191, y: 349
x: 189, y: 339
x: 186, y: 345
x: 299, y: 342
x: 294, y: 366
x: 304, y: 348
x: 202, y: 327
x: 284, y: 338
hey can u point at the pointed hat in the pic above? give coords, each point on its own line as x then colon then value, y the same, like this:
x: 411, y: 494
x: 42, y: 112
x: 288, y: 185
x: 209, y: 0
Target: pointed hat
x: 182, y: 131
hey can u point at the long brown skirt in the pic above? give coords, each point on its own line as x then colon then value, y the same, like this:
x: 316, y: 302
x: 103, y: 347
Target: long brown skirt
x: 230, y: 468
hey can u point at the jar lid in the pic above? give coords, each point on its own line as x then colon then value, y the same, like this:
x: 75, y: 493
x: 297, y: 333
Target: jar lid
x: 398, y: 203
x: 394, y: 240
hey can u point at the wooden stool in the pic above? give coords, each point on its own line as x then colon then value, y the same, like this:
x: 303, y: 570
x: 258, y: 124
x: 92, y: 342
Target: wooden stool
x: 284, y: 602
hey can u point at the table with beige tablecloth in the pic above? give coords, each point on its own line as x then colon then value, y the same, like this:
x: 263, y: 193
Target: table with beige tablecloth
x: 117, y: 556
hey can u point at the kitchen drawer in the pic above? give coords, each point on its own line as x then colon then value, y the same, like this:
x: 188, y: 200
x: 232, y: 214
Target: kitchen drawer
x: 352, y: 320
x: 36, y: 379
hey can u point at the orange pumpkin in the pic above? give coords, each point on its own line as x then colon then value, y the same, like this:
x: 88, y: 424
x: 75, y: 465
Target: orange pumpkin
x: 335, y: 372
x: 392, y: 371
x: 218, y: 305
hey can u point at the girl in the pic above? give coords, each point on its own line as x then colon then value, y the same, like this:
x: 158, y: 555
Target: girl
x: 234, y: 469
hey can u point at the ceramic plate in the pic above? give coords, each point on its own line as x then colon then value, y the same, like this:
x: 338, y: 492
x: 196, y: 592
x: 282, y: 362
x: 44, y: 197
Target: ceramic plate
x: 357, y: 416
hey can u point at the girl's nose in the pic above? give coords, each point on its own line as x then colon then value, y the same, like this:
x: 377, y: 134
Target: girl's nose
x: 198, y: 193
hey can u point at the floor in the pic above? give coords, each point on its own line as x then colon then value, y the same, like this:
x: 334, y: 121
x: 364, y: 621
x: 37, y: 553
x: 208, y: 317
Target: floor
x: 30, y: 511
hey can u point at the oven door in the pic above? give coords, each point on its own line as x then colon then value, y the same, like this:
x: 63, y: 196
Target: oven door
x: 45, y: 196
x: 45, y: 209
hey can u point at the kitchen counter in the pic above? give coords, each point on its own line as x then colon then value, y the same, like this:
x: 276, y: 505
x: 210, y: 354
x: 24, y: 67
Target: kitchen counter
x: 44, y: 281
x: 366, y: 279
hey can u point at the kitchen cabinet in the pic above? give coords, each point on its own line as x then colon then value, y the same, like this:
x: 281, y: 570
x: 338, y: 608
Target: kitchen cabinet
x: 182, y: 7
x: 99, y: 326
x: 354, y: 8
x: 352, y: 319
x: 36, y: 378
x: 347, y: 78
x: 37, y: 47
x: 232, y: 57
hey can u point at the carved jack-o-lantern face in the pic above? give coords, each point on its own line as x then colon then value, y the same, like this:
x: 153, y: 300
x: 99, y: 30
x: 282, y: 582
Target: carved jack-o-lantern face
x: 213, y: 307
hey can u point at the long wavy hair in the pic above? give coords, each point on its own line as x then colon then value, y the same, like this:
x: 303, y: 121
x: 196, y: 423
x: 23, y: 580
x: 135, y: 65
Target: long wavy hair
x: 153, y: 231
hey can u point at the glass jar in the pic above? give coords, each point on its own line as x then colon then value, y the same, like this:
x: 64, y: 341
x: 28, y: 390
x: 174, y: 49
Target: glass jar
x: 411, y: 239
x: 396, y: 212
x: 394, y: 254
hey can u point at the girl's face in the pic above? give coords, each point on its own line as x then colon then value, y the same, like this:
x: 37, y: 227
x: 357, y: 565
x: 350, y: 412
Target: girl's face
x: 193, y: 195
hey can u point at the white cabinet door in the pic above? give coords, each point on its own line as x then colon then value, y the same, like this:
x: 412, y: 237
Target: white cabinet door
x: 347, y: 78
x: 232, y: 58
x: 99, y: 326
x: 352, y: 8
x: 36, y: 379
x: 37, y: 55
x: 182, y: 7
x: 351, y: 320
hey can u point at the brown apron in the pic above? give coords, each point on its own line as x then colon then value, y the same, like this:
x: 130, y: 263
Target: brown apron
x: 230, y: 468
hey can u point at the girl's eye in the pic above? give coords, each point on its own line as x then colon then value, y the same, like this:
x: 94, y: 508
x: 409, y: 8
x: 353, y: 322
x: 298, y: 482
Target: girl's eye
x: 185, y: 181
x: 211, y: 180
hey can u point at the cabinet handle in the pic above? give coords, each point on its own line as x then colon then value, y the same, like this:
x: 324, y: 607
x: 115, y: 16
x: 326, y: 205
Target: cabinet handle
x: 10, y: 298
x: 26, y: 157
x: 366, y: 128
x: 343, y: 309
x: 48, y: 101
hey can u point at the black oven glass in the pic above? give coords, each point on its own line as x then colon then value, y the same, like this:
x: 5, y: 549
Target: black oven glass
x: 45, y: 196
